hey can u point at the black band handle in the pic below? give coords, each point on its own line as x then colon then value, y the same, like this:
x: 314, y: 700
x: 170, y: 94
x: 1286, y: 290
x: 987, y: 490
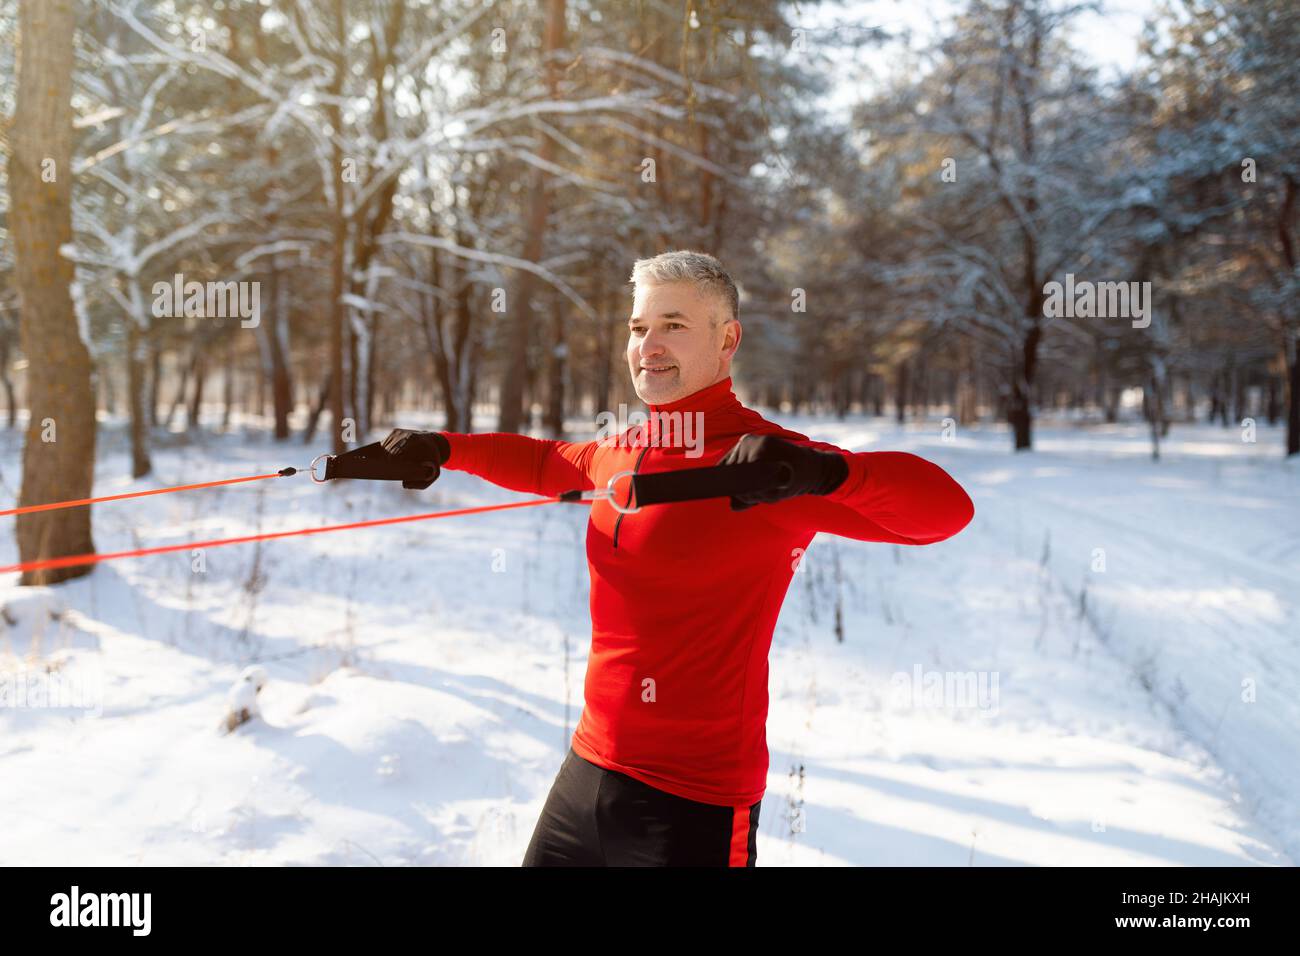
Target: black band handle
x: 718, y: 481
x: 373, y: 463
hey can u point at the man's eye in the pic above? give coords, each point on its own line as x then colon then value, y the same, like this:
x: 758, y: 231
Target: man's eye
x: 671, y: 325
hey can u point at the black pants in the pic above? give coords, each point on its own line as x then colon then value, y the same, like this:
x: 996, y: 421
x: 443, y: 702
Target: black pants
x: 598, y: 817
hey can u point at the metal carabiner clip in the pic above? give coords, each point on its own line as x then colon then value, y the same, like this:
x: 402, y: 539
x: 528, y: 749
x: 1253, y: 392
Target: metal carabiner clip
x: 312, y: 470
x: 605, y: 494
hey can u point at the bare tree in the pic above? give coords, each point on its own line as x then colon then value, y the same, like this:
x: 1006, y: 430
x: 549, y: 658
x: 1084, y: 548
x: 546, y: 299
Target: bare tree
x: 59, y: 451
x: 512, y: 384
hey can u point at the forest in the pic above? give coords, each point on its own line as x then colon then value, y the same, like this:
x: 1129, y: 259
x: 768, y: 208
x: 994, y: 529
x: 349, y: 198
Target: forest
x: 434, y: 205
x: 1022, y: 272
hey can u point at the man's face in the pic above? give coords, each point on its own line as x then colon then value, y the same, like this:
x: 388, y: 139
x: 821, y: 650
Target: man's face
x: 672, y: 350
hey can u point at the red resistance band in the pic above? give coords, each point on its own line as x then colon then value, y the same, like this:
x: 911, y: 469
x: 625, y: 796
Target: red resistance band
x: 55, y: 505
x: 684, y: 485
x: 80, y: 559
x: 688, y: 485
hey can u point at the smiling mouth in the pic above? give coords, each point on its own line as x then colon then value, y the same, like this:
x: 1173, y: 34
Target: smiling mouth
x: 657, y: 368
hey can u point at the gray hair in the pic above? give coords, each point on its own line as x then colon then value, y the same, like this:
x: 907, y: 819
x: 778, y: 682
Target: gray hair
x: 698, y: 268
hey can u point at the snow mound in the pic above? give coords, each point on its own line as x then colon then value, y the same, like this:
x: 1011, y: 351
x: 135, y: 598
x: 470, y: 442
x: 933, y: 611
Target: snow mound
x: 36, y: 623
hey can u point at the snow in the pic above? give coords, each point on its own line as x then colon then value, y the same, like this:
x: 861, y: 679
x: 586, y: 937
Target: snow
x: 421, y: 681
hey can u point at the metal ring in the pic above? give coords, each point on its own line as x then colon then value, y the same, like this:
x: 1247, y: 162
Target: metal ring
x: 609, y: 486
x: 312, y: 470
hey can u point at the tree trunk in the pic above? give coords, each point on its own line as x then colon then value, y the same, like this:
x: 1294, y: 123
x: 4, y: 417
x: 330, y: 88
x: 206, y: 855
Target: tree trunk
x: 178, y: 399
x: 1018, y: 415
x: 227, y: 386
x: 1238, y: 395
x: 1020, y: 412
x: 273, y: 332
x: 1293, y: 396
x: 358, y: 347
x: 1285, y: 218
x: 1154, y: 402
x: 10, y: 400
x: 59, y: 447
x: 449, y: 337
x: 336, y: 307
x: 967, y: 411
x: 900, y: 393
x: 196, y: 397
x: 136, y: 398
x: 313, y: 419
x: 1225, y: 395
x: 372, y: 366
x: 276, y: 340
x: 605, y: 356
x: 155, y: 381
x: 1112, y: 404
x: 919, y: 378
x: 511, y: 411
x: 555, y: 366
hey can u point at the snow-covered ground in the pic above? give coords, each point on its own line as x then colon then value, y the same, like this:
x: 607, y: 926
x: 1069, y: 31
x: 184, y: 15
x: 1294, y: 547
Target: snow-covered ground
x: 1131, y: 628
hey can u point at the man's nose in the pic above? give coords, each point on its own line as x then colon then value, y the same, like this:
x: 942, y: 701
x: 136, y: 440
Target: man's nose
x: 650, y: 344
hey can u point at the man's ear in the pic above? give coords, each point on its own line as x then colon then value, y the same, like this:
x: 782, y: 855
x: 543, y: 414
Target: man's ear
x: 732, y: 335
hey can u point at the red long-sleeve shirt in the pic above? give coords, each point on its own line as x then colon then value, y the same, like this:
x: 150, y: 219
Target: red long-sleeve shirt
x: 685, y: 596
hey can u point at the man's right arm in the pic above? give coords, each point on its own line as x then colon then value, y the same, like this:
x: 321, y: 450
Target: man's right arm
x: 538, y: 466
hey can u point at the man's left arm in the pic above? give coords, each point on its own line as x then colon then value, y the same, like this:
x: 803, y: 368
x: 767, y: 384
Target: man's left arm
x: 891, y: 496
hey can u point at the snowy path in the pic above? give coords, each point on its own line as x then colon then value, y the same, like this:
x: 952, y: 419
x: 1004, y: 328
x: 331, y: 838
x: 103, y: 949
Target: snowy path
x: 425, y: 677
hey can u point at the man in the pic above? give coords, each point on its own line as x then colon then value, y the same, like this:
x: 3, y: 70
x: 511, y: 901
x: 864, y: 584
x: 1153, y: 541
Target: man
x: 668, y: 764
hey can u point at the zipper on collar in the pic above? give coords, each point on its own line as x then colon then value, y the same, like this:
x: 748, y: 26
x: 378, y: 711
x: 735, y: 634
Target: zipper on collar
x: 621, y: 516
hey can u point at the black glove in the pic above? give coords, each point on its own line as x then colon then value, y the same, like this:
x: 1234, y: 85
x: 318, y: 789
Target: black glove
x: 427, y: 448
x: 814, y: 472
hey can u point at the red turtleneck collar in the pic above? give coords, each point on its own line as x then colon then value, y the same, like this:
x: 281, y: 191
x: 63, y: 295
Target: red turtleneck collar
x: 711, y: 398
